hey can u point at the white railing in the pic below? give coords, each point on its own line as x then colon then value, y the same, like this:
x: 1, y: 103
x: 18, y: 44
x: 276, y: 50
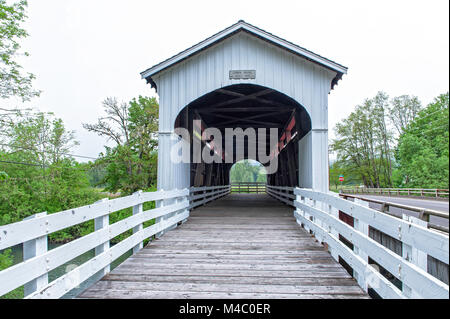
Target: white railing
x: 200, y: 196
x: 32, y: 273
x: 248, y: 187
x: 423, y: 213
x: 282, y: 193
x: 404, y: 192
x: 319, y: 214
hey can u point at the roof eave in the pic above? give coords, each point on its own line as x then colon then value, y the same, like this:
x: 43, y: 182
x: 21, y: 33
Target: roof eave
x: 241, y: 25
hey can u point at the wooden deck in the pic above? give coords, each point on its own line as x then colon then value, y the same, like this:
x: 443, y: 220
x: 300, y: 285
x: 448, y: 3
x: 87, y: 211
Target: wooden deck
x: 242, y: 246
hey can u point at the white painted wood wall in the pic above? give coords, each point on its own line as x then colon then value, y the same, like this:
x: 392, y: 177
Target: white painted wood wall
x: 306, y: 82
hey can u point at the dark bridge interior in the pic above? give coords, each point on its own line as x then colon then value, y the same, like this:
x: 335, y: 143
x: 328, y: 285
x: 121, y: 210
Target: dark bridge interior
x: 247, y: 106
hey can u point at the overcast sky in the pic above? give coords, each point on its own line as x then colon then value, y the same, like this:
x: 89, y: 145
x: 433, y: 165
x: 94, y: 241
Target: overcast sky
x: 83, y: 51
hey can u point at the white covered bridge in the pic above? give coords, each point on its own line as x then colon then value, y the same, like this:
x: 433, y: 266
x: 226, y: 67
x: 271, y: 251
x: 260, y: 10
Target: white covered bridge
x: 295, y: 240
x: 245, y: 77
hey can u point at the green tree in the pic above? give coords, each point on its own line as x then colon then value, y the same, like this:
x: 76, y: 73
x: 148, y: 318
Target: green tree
x: 364, y: 142
x: 423, y: 149
x: 403, y: 110
x: 39, y: 175
x: 247, y: 171
x: 262, y: 176
x: 96, y: 174
x: 41, y: 137
x: 13, y: 82
x: 131, y: 164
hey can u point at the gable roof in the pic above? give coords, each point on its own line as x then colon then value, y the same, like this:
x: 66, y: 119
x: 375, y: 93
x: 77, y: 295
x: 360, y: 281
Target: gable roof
x: 246, y: 27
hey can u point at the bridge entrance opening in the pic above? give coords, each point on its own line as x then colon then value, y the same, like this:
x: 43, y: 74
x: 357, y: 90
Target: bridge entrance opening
x: 243, y: 122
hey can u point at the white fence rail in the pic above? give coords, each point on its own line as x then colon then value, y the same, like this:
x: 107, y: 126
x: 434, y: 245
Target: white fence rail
x: 319, y: 213
x: 423, y: 213
x: 248, y: 187
x: 282, y: 193
x: 32, y: 273
x: 404, y: 192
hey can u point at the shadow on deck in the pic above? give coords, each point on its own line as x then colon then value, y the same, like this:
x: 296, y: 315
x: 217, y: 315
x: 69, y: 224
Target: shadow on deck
x: 242, y: 246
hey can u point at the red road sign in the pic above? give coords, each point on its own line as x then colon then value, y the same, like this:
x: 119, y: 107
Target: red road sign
x: 341, y: 178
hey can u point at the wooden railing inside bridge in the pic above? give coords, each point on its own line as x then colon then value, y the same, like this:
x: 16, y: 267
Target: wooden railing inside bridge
x: 351, y: 243
x: 248, y: 188
x: 282, y: 193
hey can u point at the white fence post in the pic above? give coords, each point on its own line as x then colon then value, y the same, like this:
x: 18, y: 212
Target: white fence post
x: 298, y: 198
x: 173, y: 201
x: 205, y: 193
x: 100, y: 223
x: 138, y: 209
x: 413, y: 255
x: 186, y: 210
x: 158, y: 204
x: 32, y: 249
x: 309, y: 202
x: 331, y: 230
x: 319, y: 205
x: 363, y: 228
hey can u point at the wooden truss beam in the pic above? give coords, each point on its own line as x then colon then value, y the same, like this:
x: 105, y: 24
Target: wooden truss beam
x: 242, y: 98
x: 242, y: 109
x: 227, y: 117
x: 255, y: 96
x: 253, y: 117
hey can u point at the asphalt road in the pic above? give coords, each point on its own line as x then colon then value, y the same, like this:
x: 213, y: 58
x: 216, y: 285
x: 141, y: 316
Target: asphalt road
x: 422, y: 203
x: 438, y: 205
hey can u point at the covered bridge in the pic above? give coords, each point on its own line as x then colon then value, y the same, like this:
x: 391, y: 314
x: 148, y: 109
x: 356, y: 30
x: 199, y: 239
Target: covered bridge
x: 244, y: 77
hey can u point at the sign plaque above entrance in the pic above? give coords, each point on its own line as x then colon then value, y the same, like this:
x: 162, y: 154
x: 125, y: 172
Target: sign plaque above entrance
x: 242, y: 74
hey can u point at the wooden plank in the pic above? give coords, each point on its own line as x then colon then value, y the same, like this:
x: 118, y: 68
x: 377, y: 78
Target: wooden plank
x: 243, y: 240
x: 276, y: 238
x: 238, y: 220
x: 238, y: 232
x: 238, y: 246
x: 228, y: 287
x: 230, y: 220
x: 307, y: 257
x: 316, y: 273
x: 296, y: 252
x: 224, y: 265
x: 127, y: 294
x: 235, y: 261
x: 233, y: 279
x: 240, y: 226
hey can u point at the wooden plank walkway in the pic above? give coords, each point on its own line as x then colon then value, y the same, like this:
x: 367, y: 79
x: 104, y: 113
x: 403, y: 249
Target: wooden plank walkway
x: 242, y: 246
